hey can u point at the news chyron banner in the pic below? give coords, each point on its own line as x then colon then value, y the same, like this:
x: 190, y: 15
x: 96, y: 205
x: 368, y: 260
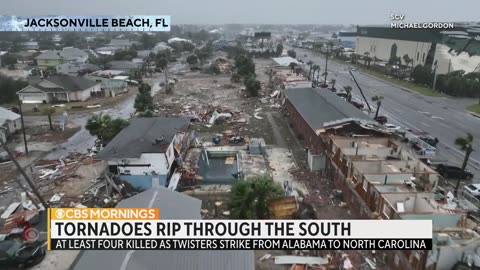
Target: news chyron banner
x: 139, y: 23
x: 143, y: 229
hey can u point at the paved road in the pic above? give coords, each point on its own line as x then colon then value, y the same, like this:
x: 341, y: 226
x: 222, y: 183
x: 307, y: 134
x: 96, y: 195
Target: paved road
x: 442, y: 117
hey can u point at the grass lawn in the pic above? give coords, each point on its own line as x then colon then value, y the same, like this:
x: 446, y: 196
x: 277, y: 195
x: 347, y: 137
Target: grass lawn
x: 408, y: 85
x: 474, y: 108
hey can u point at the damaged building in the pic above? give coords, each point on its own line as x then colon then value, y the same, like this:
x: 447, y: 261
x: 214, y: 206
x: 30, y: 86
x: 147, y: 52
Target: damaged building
x: 148, y: 148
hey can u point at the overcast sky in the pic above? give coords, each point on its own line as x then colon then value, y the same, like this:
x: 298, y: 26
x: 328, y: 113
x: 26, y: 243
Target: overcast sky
x: 258, y: 11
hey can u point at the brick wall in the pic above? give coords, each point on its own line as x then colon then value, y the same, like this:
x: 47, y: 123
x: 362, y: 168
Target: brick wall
x: 301, y: 127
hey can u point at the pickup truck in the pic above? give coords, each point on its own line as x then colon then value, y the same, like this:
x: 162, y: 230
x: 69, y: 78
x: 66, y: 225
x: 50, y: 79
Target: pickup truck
x: 452, y: 171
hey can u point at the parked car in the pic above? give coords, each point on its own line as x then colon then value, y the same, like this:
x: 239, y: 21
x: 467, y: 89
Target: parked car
x: 430, y: 140
x: 357, y: 104
x: 381, y: 119
x: 472, y: 189
x: 18, y: 255
x: 452, y: 171
x: 391, y: 127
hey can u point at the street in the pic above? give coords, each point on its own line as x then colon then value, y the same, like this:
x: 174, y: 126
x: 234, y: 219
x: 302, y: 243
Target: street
x: 82, y: 140
x: 442, y: 117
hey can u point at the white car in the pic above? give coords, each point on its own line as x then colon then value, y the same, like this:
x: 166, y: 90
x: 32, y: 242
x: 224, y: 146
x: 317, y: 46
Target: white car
x: 391, y: 127
x: 473, y: 189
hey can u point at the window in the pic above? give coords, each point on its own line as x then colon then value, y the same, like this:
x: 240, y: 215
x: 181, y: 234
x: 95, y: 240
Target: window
x: 423, y: 57
x: 386, y: 211
x: 418, y: 55
x: 365, y: 184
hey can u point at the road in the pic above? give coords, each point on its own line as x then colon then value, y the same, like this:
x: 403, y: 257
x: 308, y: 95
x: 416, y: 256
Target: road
x: 82, y: 140
x: 442, y: 117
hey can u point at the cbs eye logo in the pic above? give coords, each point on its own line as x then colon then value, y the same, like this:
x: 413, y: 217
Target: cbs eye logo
x: 31, y: 234
x: 60, y: 214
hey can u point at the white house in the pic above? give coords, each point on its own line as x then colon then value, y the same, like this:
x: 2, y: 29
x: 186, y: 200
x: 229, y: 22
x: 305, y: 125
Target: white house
x: 147, y: 147
x: 9, y: 123
x: 59, y: 88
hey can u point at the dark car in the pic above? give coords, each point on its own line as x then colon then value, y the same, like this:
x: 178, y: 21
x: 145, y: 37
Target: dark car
x: 381, y: 119
x: 18, y: 255
x: 357, y: 104
x: 452, y: 171
x: 430, y: 140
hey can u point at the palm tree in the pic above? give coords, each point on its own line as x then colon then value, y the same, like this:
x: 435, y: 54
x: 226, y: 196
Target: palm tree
x: 99, y: 125
x: 310, y: 63
x: 162, y: 62
x: 250, y: 199
x: 348, y: 89
x: 316, y: 68
x: 333, y: 83
x: 48, y: 111
x: 465, y: 144
x: 378, y: 100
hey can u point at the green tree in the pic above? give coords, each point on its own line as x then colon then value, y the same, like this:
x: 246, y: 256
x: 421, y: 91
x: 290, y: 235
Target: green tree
x: 252, y: 85
x: 316, y: 68
x: 310, y: 64
x: 422, y: 75
x: 192, y: 60
x: 143, y: 100
x: 378, y: 100
x: 292, y: 66
x: 162, y: 63
x: 9, y: 88
x: 465, y: 144
x: 147, y: 41
x: 244, y: 65
x: 48, y: 111
x: 104, y: 127
x: 50, y: 71
x: 9, y: 60
x: 348, y: 90
x: 279, y: 50
x: 71, y: 39
x: 250, y: 199
x: 292, y: 53
x: 236, y: 78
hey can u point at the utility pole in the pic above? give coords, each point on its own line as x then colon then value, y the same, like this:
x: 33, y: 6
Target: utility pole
x: 23, y: 125
x: 326, y: 66
x: 434, y: 77
x: 30, y: 183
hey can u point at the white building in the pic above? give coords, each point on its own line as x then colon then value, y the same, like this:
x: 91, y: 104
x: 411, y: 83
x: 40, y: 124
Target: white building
x: 385, y: 43
x: 9, y: 123
x: 59, y: 88
x: 147, y: 147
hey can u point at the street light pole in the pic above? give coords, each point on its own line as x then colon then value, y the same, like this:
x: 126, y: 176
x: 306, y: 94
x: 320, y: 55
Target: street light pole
x: 30, y: 183
x: 326, y: 66
x: 23, y: 125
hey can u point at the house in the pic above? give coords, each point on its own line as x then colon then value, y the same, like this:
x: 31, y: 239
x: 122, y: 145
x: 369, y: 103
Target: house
x: 122, y: 44
x: 125, y: 66
x: 9, y: 123
x: 160, y: 47
x: 111, y: 87
x: 172, y: 205
x: 30, y: 45
x: 107, y: 50
x: 148, y: 147
x: 284, y: 61
x: 316, y: 113
x: 53, y: 58
x: 75, y: 68
x: 59, y: 88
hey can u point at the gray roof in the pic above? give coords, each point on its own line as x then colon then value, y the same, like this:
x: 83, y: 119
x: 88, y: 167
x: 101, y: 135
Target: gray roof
x: 322, y: 109
x: 71, y: 83
x: 68, y: 53
x: 120, y: 42
x: 7, y: 115
x: 173, y: 205
x: 123, y: 65
x: 140, y: 135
